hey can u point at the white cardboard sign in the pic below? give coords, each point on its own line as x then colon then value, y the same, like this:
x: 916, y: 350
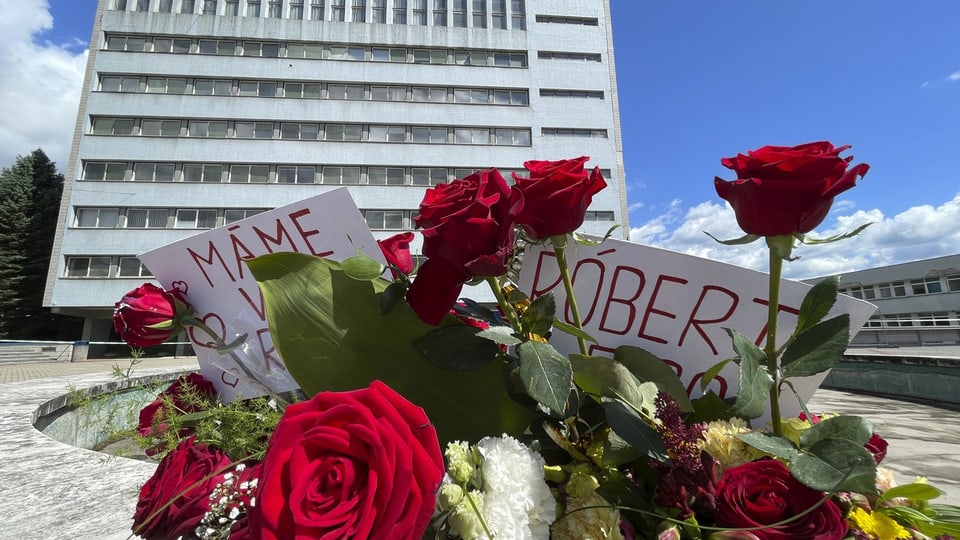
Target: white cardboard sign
x: 208, y: 267
x: 674, y: 305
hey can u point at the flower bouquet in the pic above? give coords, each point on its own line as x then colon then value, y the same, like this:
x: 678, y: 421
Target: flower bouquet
x: 421, y: 414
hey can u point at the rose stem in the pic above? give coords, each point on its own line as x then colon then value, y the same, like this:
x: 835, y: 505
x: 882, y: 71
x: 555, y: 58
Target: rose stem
x: 559, y: 248
x: 505, y: 306
x: 776, y: 247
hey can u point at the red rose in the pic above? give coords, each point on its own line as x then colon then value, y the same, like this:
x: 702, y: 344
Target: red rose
x: 396, y: 250
x: 877, y: 446
x: 783, y: 190
x: 149, y: 315
x: 185, y: 395
x: 467, y: 232
x: 175, y: 498
x: 556, y: 196
x: 359, y: 464
x: 763, y: 492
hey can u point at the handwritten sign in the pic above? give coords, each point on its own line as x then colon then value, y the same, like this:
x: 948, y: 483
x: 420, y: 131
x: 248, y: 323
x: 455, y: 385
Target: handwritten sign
x: 209, y: 268
x: 674, y: 305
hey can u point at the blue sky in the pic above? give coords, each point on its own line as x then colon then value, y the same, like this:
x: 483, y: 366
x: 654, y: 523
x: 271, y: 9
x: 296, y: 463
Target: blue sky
x: 698, y: 80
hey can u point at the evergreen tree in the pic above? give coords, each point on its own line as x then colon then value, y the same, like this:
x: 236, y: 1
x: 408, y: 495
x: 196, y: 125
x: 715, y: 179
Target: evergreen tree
x: 30, y: 192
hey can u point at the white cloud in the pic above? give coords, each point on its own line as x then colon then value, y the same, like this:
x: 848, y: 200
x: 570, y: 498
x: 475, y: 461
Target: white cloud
x: 635, y: 206
x: 39, y: 87
x: 918, y: 233
x: 954, y: 76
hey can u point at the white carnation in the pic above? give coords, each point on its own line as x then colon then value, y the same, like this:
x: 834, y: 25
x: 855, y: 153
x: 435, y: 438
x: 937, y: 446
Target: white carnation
x: 517, y: 503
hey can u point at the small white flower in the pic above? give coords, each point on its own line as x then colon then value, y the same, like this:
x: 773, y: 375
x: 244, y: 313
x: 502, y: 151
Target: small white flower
x: 517, y: 503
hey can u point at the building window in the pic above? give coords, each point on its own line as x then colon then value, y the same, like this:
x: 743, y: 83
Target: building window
x: 187, y: 6
x: 388, y: 93
x: 395, y: 54
x: 378, y: 11
x: 387, y: 134
x: 258, y: 89
x: 303, y: 90
x: 554, y: 19
x: 316, y: 10
x: 97, y: 218
x: 202, y: 173
x: 424, y: 93
x: 232, y: 215
x: 153, y: 172
x: 343, y: 132
x: 126, y: 43
x: 512, y: 137
x: 132, y: 267
x: 558, y: 93
x: 212, y: 87
x: 88, y: 267
x: 420, y: 12
x: 472, y: 136
x: 929, y: 285
x: 209, y: 7
x: 168, y: 45
x: 206, y: 128
x: 422, y: 176
x: 296, y: 175
x: 385, y: 176
x: 555, y: 55
x: 359, y: 12
x: 338, y: 10
x: 163, y: 85
x: 232, y: 8
x: 460, y: 13
x: 274, y: 9
x: 195, y: 219
x: 165, y: 6
x: 428, y: 134
x: 511, y: 97
x: 953, y: 283
x: 99, y: 170
x: 218, y: 46
x: 518, y: 15
x: 253, y: 130
x: 256, y: 48
x: 249, y: 174
x: 296, y: 10
x: 498, y: 14
x: 439, y: 12
x: 159, y: 128
x: 304, y: 50
x: 299, y: 132
x: 113, y: 126
x: 384, y: 220
x: 345, y: 91
x: 147, y: 218
x: 571, y: 132
x: 119, y: 84
x: 479, y: 13
x: 470, y: 95
x: 120, y: 5
x: 598, y: 216
x: 341, y: 175
x: 863, y: 293
x: 890, y: 290
x: 399, y: 11
x: 143, y: 5
x: 253, y: 8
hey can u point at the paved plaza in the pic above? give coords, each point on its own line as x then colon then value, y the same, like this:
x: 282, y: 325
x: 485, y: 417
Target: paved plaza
x: 48, y: 486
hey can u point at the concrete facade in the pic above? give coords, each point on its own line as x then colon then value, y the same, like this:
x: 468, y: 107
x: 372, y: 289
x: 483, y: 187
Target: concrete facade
x: 193, y: 117
x: 918, y: 303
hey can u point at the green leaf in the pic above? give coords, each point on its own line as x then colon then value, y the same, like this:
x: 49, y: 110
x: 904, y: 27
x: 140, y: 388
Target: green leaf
x: 500, y: 334
x: 836, y: 465
x: 816, y: 303
x: 631, y: 427
x: 515, y: 296
x: 457, y: 347
x: 780, y: 447
x: 647, y: 367
x: 914, y: 492
x: 546, y: 375
x: 608, y: 378
x: 392, y: 295
x: 745, y: 239
x: 851, y: 428
x: 712, y: 373
x: 331, y: 336
x: 710, y: 407
x: 573, y: 331
x: 617, y: 451
x: 755, y: 381
x: 818, y: 349
x: 363, y: 268
x: 538, y: 318
x: 584, y: 241
x: 814, y: 241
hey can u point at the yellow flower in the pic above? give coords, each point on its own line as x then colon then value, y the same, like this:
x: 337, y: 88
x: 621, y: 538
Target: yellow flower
x: 878, y: 525
x: 720, y: 441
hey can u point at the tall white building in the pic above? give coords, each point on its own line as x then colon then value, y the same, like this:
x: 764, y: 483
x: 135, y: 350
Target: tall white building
x: 195, y: 114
